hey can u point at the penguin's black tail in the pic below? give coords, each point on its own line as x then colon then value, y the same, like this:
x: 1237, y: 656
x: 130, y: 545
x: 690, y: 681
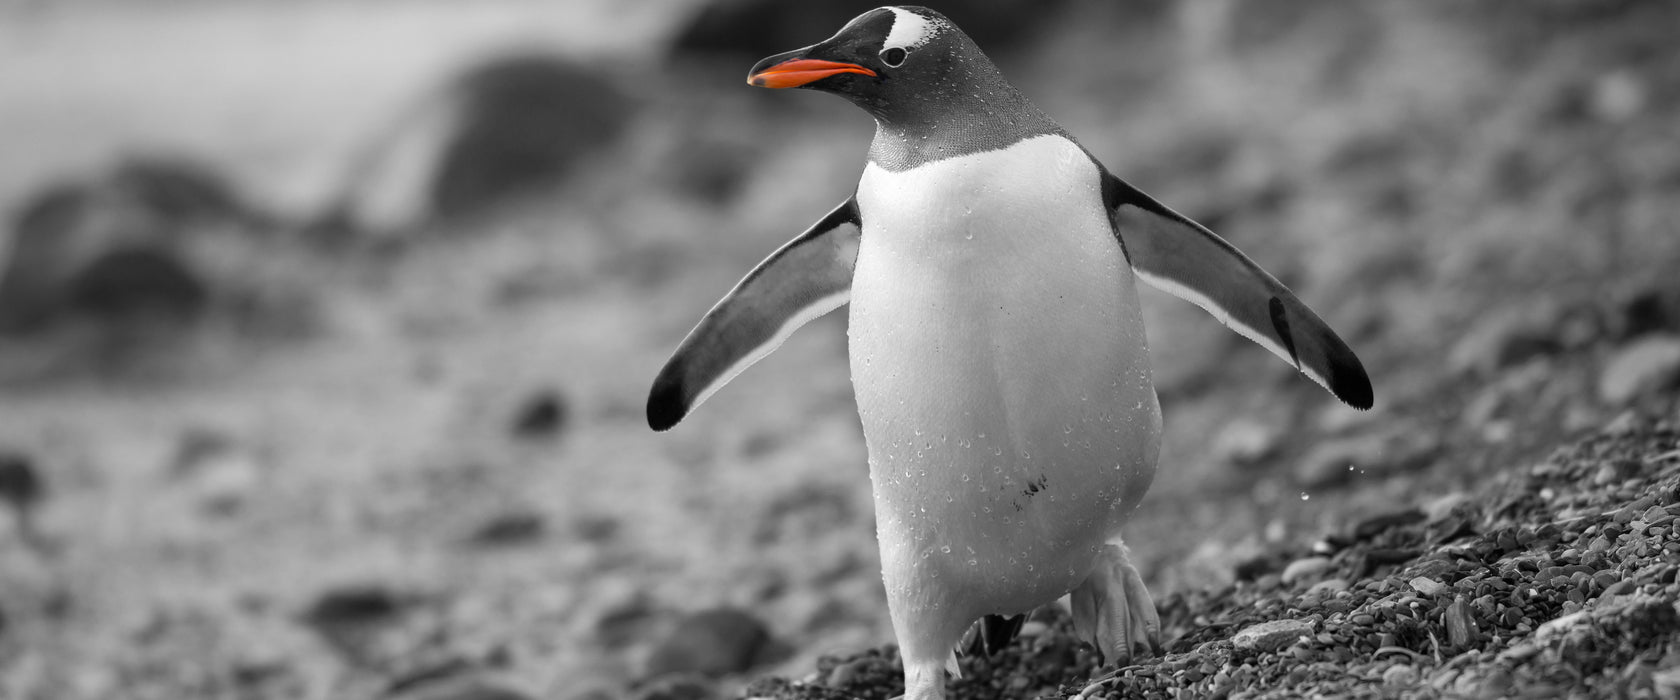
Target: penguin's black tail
x: 990, y: 634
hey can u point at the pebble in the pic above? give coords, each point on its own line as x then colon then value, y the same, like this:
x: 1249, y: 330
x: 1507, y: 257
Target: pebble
x: 1400, y: 674
x: 356, y: 604
x: 713, y: 643
x: 1331, y: 585
x: 1306, y: 569
x: 542, y: 415
x: 1271, y: 635
x: 1427, y: 586
x: 1461, y: 628
x: 510, y: 528
x: 1648, y: 364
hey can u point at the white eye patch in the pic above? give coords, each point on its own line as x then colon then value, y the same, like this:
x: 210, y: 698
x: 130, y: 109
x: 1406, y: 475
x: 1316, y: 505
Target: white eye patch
x: 911, y: 30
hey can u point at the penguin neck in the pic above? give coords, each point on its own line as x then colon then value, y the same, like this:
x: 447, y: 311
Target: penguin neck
x: 964, y: 115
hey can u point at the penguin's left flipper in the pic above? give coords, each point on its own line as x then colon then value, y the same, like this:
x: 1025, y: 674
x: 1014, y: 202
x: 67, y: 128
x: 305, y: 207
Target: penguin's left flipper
x: 809, y: 276
x: 1181, y: 257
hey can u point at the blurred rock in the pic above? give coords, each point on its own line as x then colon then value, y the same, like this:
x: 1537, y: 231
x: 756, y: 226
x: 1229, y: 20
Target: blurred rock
x: 753, y: 29
x: 1648, y: 309
x: 136, y: 283
x: 1648, y: 364
x: 524, y: 120
x: 1369, y: 527
x: 1506, y: 337
x: 1381, y: 452
x: 119, y: 247
x: 509, y: 529
x: 463, y: 689
x: 1666, y: 683
x: 357, y: 604
x: 1307, y: 569
x: 1328, y: 586
x: 714, y: 643
x: 680, y: 686
x: 20, y: 483
x: 1441, y: 507
x: 181, y: 190
x: 597, y: 528
x: 503, y: 129
x: 624, y: 619
x: 1618, y: 96
x: 197, y: 445
x: 542, y: 416
x: 1245, y: 441
x: 22, y: 489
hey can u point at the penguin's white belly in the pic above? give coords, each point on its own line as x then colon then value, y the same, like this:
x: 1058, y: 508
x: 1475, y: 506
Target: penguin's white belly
x: 1002, y: 376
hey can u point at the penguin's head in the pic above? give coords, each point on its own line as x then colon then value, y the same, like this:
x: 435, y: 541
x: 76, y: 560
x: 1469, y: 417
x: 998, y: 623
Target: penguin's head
x: 885, y: 60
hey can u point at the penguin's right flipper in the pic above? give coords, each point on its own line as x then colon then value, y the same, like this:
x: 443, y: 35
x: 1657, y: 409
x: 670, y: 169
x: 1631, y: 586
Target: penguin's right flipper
x: 1183, y: 258
x: 809, y: 276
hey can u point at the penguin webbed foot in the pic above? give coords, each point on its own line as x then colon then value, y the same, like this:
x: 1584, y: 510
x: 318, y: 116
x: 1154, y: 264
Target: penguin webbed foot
x: 1112, y: 610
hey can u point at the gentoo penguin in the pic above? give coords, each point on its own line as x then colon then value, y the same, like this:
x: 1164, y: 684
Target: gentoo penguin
x: 996, y: 344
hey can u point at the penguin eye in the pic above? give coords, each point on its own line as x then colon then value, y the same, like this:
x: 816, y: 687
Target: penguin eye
x: 894, y: 57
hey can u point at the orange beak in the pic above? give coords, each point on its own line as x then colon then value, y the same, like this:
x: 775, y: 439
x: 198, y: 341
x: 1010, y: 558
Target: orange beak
x: 800, y: 71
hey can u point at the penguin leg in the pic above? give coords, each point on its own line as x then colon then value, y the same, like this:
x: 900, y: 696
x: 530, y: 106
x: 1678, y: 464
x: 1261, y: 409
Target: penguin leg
x: 927, y: 627
x: 1113, y: 611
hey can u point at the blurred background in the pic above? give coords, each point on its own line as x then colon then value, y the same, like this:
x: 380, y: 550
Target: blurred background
x: 326, y: 327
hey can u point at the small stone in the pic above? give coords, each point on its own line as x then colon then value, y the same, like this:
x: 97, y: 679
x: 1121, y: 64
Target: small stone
x: 1427, y: 586
x: 1272, y: 635
x: 1400, y: 675
x: 542, y: 416
x: 1328, y: 586
x: 1648, y: 364
x: 21, y: 488
x: 1461, y: 628
x: 1306, y: 569
x: 507, y: 529
x: 713, y: 643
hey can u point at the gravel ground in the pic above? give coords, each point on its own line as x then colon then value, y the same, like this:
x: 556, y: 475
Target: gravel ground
x: 1556, y: 580
x: 437, y: 482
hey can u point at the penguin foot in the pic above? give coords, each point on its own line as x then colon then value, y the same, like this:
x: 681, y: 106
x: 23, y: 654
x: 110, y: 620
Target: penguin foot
x: 1113, y: 611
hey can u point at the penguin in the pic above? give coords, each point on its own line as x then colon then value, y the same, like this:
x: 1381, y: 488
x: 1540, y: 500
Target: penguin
x: 996, y: 343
